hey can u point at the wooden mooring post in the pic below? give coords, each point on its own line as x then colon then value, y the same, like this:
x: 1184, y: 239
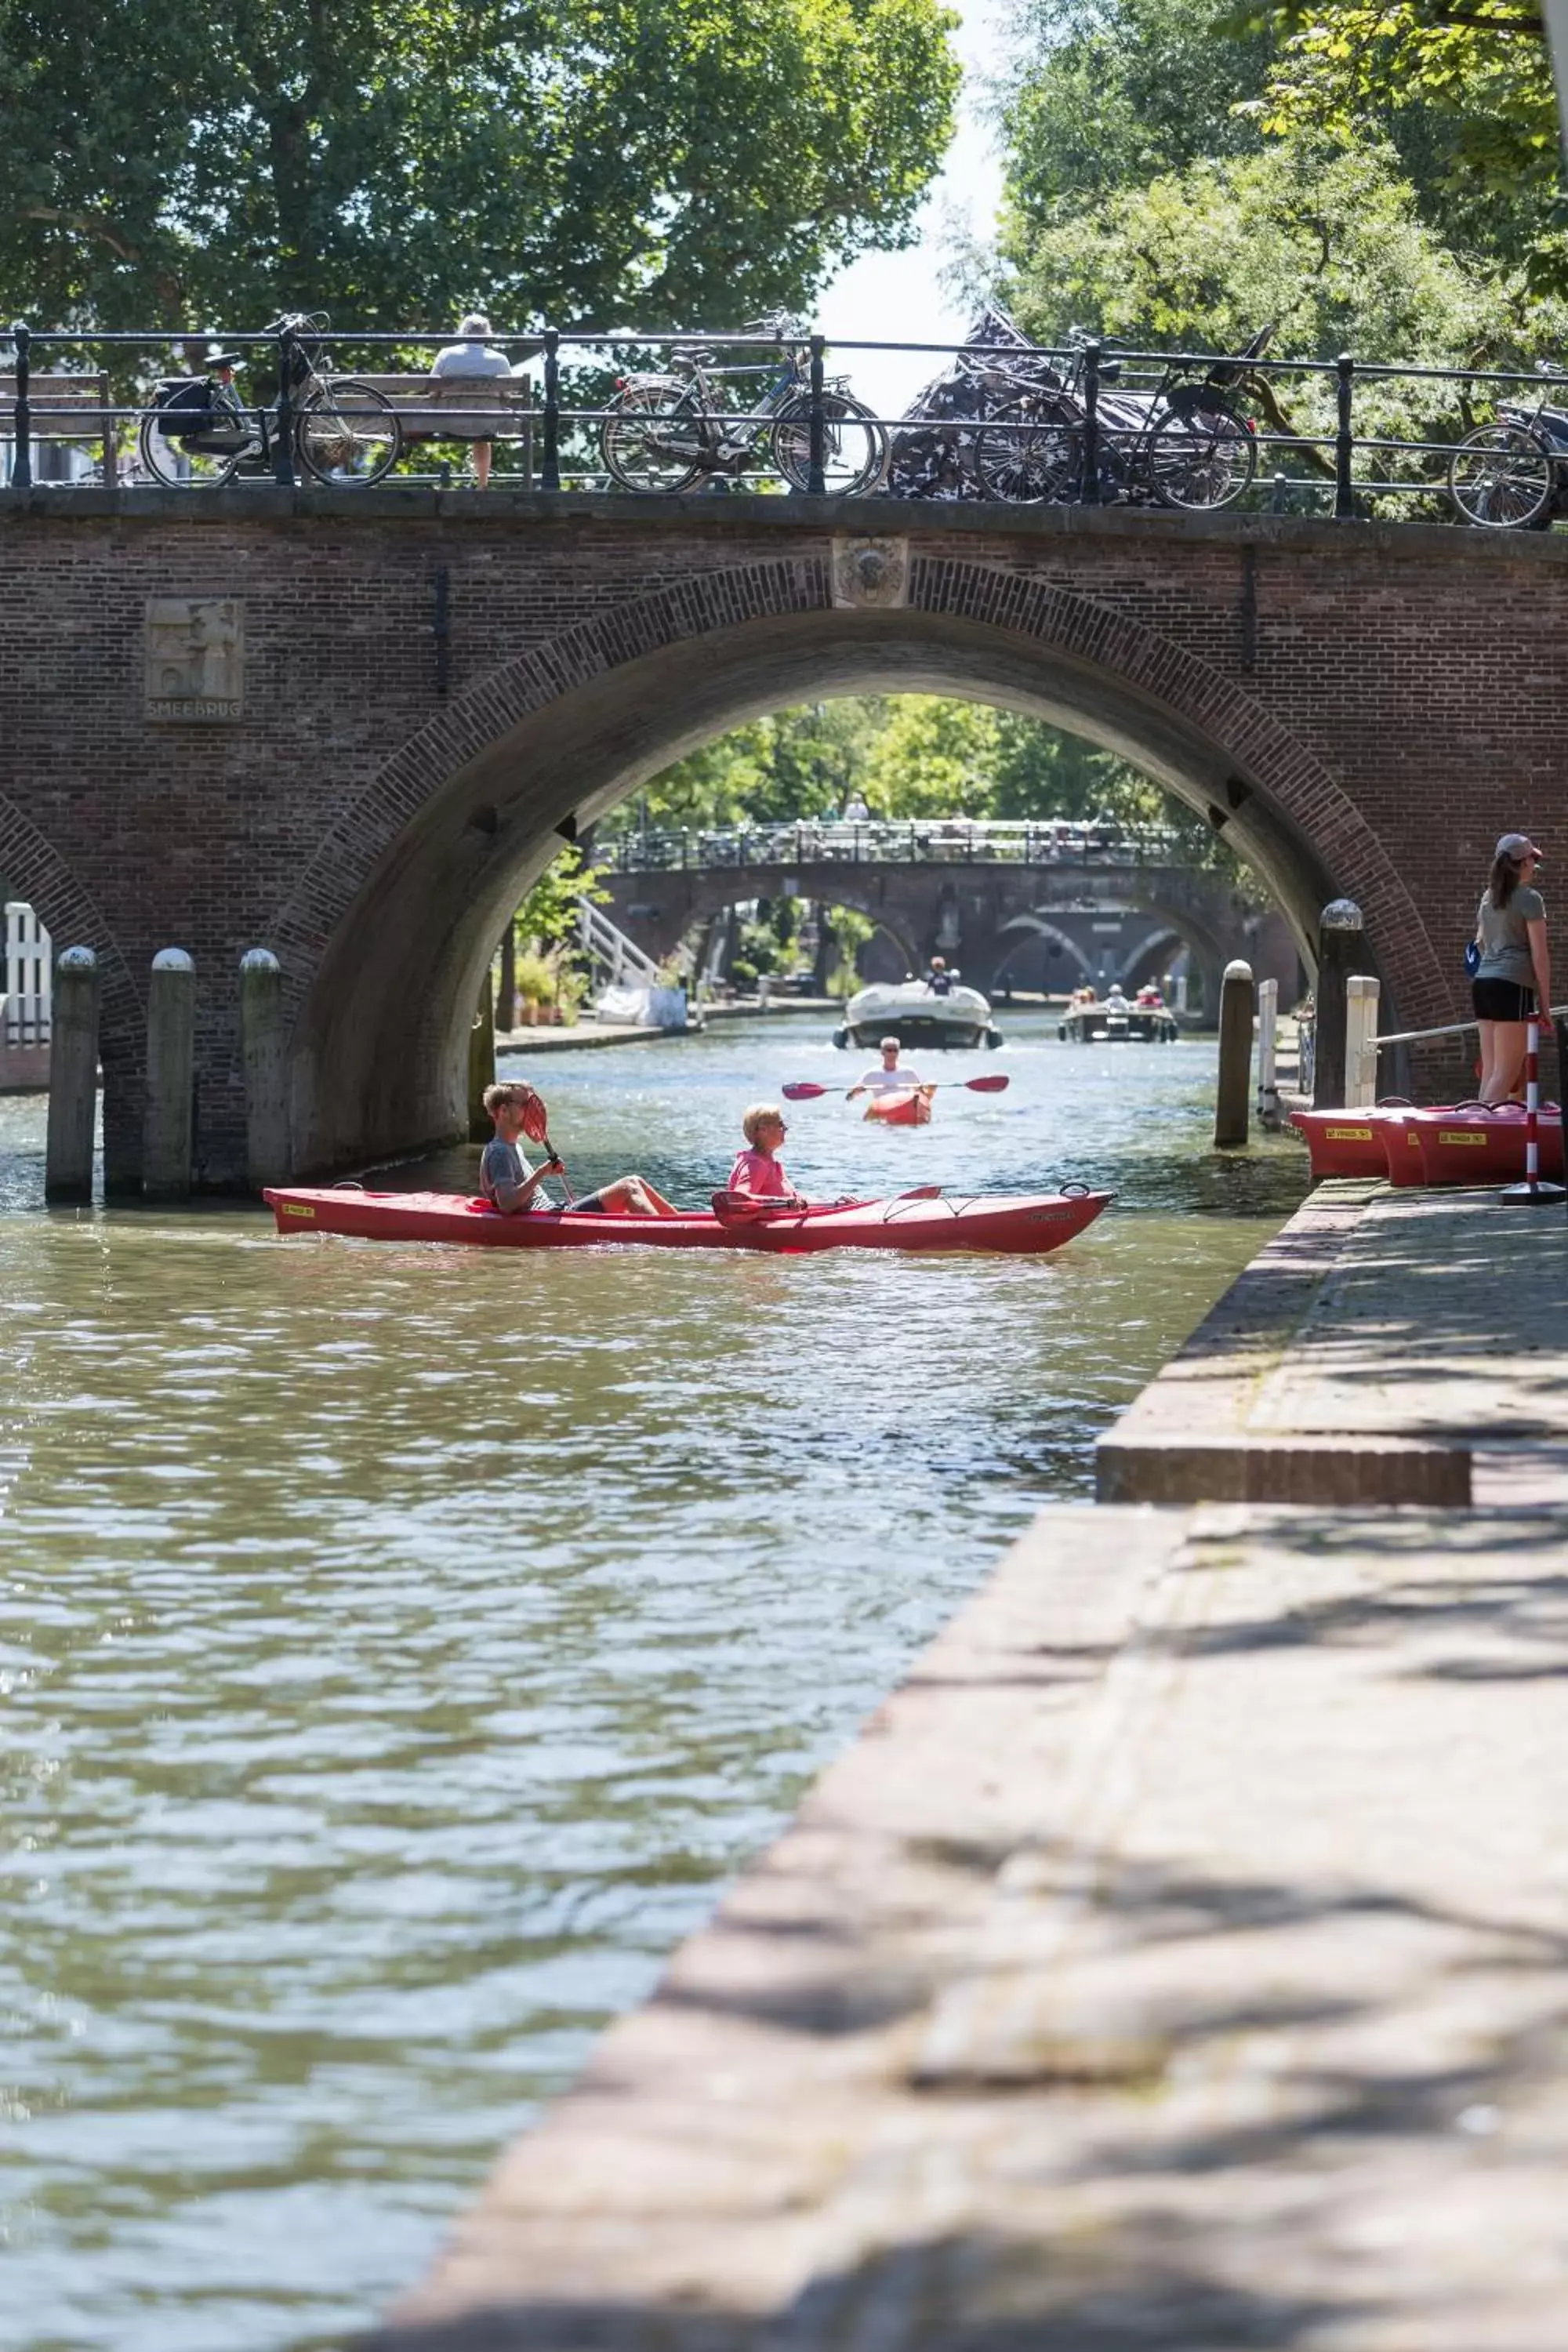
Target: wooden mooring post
x: 1234, y: 1089
x: 73, y: 1077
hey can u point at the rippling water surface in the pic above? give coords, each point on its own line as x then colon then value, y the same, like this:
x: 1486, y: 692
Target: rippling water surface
x: 399, y: 1647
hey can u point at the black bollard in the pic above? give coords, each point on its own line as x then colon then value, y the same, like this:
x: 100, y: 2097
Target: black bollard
x: 1340, y: 951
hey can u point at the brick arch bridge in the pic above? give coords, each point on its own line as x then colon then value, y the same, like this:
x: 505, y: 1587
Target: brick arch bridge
x: 428, y: 683
x: 972, y: 910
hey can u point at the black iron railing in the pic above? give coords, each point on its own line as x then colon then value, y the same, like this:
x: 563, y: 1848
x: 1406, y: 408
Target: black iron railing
x: 874, y: 840
x: 758, y: 410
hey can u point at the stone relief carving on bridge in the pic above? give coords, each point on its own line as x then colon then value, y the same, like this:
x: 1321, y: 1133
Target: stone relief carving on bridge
x: 195, y: 658
x: 871, y: 571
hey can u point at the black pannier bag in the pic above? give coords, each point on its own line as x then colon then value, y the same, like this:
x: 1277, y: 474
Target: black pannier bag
x: 186, y: 415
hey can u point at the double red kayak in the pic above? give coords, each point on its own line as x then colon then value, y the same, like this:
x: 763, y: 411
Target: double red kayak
x: 1021, y: 1226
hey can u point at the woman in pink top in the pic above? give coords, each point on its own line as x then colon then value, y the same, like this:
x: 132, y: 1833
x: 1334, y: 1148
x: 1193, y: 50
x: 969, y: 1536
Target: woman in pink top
x: 758, y: 1173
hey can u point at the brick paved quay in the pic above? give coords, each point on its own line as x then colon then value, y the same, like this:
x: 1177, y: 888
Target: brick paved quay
x: 1180, y: 1957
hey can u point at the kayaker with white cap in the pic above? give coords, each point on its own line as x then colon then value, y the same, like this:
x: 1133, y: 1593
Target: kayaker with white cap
x: 890, y: 1077
x: 1513, y: 979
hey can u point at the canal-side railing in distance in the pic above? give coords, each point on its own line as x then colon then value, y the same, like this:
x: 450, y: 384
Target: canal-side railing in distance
x: 1367, y: 434
x: 26, y: 980
x: 934, y: 841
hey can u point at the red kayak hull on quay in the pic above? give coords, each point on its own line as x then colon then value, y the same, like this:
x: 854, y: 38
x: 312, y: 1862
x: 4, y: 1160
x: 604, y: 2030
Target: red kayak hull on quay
x: 909, y: 1110
x: 1343, y: 1142
x: 1477, y: 1146
x: 1021, y: 1226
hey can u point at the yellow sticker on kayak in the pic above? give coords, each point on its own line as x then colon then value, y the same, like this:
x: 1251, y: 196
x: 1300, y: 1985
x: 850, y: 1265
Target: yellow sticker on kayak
x: 1348, y: 1134
x: 297, y: 1208
x: 1463, y: 1136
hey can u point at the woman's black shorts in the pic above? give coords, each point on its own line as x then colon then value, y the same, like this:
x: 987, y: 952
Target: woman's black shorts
x: 1501, y: 1000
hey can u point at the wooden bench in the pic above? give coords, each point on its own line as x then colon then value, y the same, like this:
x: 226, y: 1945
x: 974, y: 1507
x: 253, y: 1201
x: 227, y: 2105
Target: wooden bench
x: 64, y: 408
x: 462, y: 408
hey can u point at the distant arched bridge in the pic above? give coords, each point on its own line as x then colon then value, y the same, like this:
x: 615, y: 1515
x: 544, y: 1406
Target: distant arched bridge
x: 977, y: 893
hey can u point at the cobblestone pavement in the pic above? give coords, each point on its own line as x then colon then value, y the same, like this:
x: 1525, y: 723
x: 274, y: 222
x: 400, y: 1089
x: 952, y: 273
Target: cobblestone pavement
x: 1180, y: 1958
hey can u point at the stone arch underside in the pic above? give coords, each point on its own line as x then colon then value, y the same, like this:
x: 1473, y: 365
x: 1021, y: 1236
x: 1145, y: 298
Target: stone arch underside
x: 386, y: 939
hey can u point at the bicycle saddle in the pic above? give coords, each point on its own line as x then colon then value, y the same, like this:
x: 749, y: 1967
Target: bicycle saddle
x: 225, y: 359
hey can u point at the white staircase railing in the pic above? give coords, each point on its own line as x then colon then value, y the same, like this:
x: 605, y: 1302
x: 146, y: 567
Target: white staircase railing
x: 617, y: 962
x: 28, y: 991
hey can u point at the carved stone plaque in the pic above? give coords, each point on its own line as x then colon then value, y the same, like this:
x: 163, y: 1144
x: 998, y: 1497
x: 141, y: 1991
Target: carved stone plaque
x: 871, y: 571
x: 195, y: 658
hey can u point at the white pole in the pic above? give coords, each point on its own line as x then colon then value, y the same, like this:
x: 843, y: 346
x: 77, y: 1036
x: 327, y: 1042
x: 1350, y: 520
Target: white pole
x: 1268, y: 1040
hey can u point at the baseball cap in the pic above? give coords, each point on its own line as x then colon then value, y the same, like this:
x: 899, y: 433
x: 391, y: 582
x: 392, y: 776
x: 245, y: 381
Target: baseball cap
x: 1516, y: 845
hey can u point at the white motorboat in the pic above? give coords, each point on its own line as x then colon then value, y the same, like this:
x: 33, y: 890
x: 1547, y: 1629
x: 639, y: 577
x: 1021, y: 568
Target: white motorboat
x: 917, y: 1015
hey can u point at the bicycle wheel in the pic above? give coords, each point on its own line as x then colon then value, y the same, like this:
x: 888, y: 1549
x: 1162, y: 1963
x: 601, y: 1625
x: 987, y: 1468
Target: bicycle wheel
x: 655, y: 440
x: 348, y: 436
x: 179, y: 467
x: 1027, y: 457
x: 1201, y: 461
x: 1500, y: 477
x: 854, y: 446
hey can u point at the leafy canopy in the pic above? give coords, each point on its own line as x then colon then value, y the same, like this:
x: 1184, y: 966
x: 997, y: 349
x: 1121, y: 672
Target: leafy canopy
x: 619, y: 162
x: 912, y: 756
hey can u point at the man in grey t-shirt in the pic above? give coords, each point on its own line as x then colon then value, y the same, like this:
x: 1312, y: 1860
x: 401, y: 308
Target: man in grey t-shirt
x: 474, y: 357
x: 509, y: 1185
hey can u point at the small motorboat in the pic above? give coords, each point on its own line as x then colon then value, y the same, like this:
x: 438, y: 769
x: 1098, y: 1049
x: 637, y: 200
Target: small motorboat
x: 917, y: 1015
x: 1088, y: 1021
x: 1019, y: 1225
x: 901, y: 1106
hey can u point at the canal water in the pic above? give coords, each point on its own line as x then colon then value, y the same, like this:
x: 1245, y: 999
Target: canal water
x: 400, y: 1648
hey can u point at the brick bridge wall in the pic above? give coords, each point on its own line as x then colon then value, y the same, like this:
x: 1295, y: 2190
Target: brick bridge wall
x: 1364, y: 707
x: 988, y: 905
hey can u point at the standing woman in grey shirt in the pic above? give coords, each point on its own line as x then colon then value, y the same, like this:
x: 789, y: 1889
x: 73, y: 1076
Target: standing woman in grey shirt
x: 1513, y: 979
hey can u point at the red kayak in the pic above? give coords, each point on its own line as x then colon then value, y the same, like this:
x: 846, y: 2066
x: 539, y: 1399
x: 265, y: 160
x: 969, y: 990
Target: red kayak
x: 908, y: 1108
x: 1343, y: 1142
x: 1481, y: 1143
x: 1021, y: 1226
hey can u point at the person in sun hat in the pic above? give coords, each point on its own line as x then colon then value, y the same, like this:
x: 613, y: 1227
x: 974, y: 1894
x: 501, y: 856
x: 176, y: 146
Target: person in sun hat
x: 1513, y: 979
x: 474, y: 356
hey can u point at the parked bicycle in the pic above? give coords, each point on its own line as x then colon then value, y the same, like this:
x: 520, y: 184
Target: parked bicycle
x: 1185, y: 444
x: 198, y: 434
x: 1512, y: 475
x: 671, y: 429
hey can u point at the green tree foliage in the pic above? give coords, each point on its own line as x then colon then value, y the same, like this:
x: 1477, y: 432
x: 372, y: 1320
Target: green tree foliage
x: 548, y: 916
x: 801, y: 762
x: 1105, y: 94
x: 1327, y: 243
x: 912, y: 756
x: 625, y: 162
x: 1462, y: 87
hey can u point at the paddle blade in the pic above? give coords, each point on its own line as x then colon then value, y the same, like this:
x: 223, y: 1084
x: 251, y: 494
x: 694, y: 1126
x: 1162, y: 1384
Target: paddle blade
x: 997, y: 1083
x: 802, y: 1090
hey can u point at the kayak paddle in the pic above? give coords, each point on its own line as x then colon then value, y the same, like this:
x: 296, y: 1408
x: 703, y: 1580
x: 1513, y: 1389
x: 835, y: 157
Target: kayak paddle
x: 996, y: 1082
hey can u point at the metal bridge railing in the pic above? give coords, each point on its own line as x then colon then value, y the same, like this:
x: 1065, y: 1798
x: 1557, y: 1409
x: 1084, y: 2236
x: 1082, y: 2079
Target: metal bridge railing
x: 936, y: 841
x: 1343, y: 436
